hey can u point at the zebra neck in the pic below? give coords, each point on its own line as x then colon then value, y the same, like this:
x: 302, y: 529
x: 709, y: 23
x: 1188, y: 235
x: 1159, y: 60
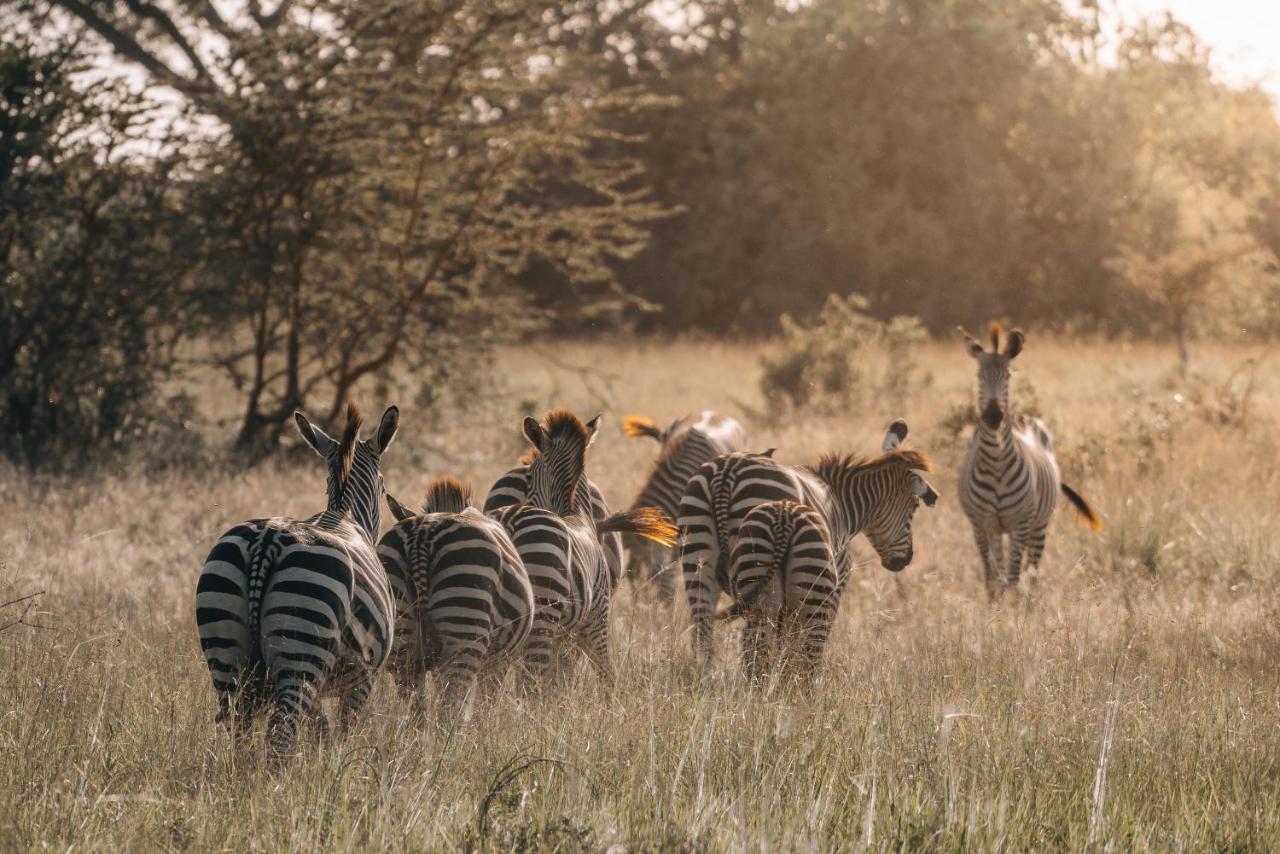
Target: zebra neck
x: 1002, y: 435
x: 365, y: 516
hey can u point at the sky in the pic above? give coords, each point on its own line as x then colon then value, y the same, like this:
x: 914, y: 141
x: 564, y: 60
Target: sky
x: 1244, y: 34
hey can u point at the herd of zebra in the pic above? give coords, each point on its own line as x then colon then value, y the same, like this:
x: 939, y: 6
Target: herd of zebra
x: 288, y: 610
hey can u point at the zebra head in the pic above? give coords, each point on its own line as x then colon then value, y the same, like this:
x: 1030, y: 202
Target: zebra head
x: 559, y: 460
x: 879, y: 497
x: 993, y: 373
x: 355, y: 467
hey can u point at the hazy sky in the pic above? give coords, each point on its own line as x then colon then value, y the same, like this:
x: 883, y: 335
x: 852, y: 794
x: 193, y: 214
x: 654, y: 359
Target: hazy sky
x: 1244, y: 34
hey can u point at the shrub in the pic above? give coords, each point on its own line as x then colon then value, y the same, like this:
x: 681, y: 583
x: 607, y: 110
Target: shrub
x: 846, y: 357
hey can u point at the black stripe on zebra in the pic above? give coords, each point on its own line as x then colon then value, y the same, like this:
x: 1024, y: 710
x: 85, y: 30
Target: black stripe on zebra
x: 287, y: 609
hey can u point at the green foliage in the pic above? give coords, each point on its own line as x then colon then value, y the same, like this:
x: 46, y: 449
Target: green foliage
x: 846, y: 357
x: 90, y: 275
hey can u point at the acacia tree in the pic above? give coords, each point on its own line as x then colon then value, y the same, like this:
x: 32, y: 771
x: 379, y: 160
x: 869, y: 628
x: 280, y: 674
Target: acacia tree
x: 378, y: 172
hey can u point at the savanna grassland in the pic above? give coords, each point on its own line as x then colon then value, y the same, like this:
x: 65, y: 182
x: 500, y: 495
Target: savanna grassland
x: 1129, y: 699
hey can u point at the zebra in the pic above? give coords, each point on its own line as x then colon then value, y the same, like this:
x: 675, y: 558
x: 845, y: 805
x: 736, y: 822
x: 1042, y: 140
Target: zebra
x: 299, y: 608
x: 559, y: 540
x: 685, y: 444
x: 464, y: 602
x: 877, y: 497
x: 512, y: 488
x: 1009, y: 481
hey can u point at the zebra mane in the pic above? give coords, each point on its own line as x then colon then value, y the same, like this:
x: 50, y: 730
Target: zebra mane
x: 346, y: 452
x: 835, y: 465
x: 563, y: 424
x: 447, y: 495
x: 528, y: 457
x: 996, y: 329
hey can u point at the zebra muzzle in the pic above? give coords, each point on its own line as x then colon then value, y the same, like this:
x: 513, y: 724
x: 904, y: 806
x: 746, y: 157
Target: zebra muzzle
x: 992, y: 415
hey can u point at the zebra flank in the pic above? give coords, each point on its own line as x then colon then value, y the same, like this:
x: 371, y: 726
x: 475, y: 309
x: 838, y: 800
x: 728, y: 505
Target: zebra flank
x: 288, y: 610
x: 848, y: 495
x: 685, y: 444
x: 1009, y: 480
x: 463, y: 601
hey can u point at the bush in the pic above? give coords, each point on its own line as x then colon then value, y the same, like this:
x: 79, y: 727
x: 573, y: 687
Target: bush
x: 88, y: 275
x: 846, y: 357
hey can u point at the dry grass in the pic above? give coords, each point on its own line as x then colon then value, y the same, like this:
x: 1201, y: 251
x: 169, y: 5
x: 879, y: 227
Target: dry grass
x: 1130, y: 701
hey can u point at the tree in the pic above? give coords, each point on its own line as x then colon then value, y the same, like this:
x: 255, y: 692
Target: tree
x: 377, y: 174
x: 93, y: 286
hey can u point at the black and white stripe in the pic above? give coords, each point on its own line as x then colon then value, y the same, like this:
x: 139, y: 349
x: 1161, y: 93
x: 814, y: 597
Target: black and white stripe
x: 559, y: 540
x: 1009, y: 481
x: 686, y: 443
x: 877, y: 497
x: 513, y: 488
x: 464, y: 603
x: 785, y: 582
x: 289, y: 609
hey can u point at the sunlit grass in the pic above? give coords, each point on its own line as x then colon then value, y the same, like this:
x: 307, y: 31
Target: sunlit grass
x: 1128, y: 699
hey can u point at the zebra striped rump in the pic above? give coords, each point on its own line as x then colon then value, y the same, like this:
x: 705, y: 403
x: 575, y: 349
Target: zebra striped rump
x: 464, y: 601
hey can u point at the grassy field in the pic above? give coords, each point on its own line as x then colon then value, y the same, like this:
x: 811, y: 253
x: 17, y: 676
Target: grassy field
x: 1131, y: 699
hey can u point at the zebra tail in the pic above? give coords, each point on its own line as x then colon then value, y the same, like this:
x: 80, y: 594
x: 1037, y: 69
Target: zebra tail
x: 648, y: 522
x: 635, y: 427
x: 1083, y: 508
x: 258, y: 573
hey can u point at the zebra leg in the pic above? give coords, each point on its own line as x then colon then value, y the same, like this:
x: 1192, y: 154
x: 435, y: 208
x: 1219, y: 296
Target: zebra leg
x: 758, y: 636
x: 595, y: 637
x: 1035, y: 551
x: 296, y: 696
x: 541, y: 646
x: 1018, y: 542
x: 991, y: 572
x: 698, y: 561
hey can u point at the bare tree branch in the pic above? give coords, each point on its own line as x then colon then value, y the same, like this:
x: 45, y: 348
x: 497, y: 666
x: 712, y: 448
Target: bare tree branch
x: 161, y: 19
x: 129, y: 48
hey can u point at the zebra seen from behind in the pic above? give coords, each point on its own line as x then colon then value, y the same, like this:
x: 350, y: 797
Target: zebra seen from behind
x: 288, y: 610
x: 513, y: 486
x: 559, y: 540
x: 877, y: 497
x: 685, y: 444
x: 1009, y: 481
x: 464, y: 603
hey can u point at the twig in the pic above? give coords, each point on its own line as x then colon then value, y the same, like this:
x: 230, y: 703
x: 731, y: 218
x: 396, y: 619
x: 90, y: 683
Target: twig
x: 30, y: 600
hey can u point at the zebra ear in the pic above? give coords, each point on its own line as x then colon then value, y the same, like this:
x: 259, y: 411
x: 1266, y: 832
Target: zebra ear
x: 925, y: 492
x: 397, y: 509
x: 534, y: 433
x: 1016, y: 337
x: 593, y: 429
x: 387, y: 427
x: 893, y: 438
x: 313, y: 435
x: 974, y: 347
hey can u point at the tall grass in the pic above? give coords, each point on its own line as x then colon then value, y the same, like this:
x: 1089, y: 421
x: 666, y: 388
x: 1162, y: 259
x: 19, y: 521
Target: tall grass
x: 1127, y: 699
